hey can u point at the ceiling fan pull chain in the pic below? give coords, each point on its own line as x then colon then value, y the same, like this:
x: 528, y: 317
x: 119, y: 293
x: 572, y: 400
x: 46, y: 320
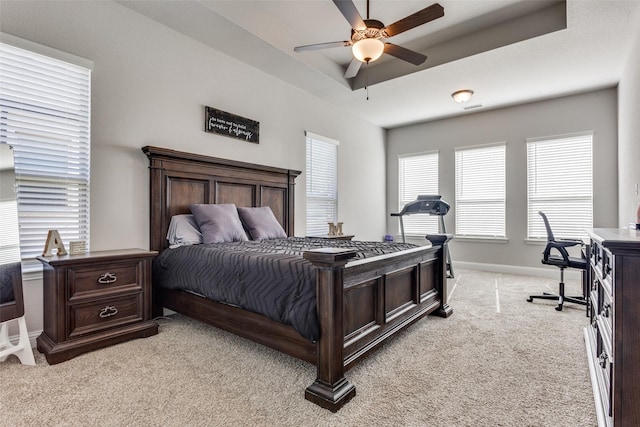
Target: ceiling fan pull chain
x: 366, y: 78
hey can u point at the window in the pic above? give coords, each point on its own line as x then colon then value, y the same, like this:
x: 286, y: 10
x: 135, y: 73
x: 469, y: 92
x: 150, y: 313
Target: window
x: 480, y: 191
x: 44, y: 116
x: 560, y: 184
x: 417, y: 175
x: 322, y: 183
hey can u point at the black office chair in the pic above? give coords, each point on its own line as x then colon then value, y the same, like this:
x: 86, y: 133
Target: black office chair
x: 562, y: 261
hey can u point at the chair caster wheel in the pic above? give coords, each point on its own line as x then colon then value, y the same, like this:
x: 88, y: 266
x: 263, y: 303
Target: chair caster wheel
x: 559, y: 308
x: 530, y: 299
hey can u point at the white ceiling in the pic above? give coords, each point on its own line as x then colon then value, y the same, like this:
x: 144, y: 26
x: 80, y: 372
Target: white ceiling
x: 483, y: 45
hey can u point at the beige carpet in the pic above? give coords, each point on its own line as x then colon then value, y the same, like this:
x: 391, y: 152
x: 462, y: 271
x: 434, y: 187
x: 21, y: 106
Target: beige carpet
x: 498, y: 361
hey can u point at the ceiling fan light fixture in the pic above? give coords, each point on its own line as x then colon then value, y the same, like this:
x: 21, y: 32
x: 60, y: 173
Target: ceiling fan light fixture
x: 367, y: 50
x: 462, y: 95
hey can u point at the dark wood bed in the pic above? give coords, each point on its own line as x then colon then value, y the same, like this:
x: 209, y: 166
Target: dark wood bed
x: 360, y: 303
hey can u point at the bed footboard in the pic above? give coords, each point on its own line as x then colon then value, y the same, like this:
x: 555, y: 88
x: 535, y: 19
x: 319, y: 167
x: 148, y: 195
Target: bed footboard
x: 365, y: 303
x: 331, y: 390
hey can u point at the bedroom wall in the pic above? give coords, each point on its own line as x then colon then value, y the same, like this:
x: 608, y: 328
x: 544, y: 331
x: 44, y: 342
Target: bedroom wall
x: 589, y: 111
x: 149, y: 87
x: 629, y: 138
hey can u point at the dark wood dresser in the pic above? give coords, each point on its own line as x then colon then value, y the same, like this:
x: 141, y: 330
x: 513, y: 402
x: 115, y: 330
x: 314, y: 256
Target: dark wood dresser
x: 613, y: 338
x: 94, y: 300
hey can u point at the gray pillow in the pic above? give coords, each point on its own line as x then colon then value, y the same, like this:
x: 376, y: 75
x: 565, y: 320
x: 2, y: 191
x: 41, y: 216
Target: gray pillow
x: 218, y: 223
x: 183, y: 231
x: 261, y: 223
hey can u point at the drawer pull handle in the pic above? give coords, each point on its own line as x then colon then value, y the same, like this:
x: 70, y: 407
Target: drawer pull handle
x: 108, y: 311
x: 107, y: 278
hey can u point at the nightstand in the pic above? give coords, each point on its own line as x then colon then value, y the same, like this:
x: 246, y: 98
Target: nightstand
x: 340, y: 237
x: 94, y: 300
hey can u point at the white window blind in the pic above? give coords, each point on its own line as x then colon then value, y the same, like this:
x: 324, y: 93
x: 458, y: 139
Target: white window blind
x: 322, y: 183
x: 480, y: 191
x: 560, y: 184
x: 44, y: 116
x: 9, y: 238
x: 417, y: 175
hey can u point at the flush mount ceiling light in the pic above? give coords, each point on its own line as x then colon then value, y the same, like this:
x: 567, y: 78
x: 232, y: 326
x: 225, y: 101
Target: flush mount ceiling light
x: 462, y: 95
x: 367, y: 50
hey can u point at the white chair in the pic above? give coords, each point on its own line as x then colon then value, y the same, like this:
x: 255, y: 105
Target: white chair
x: 12, y: 310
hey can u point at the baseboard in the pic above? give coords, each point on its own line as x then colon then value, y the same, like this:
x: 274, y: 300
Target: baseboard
x: 569, y: 274
x: 33, y: 336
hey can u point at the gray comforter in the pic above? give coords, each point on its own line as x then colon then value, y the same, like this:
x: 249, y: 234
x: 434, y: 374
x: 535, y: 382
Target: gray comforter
x: 269, y: 277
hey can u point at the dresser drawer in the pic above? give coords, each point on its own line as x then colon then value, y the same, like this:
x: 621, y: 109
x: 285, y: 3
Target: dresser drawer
x: 606, y: 313
x: 600, y: 367
x: 94, y: 280
x: 596, y: 258
x: 98, y: 315
x: 594, y: 292
x: 607, y: 265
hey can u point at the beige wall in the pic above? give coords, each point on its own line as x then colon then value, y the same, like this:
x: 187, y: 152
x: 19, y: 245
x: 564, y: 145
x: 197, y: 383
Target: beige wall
x: 629, y: 138
x: 595, y: 111
x: 149, y: 87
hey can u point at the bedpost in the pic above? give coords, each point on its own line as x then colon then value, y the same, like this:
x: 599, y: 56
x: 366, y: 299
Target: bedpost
x: 441, y: 273
x: 331, y: 390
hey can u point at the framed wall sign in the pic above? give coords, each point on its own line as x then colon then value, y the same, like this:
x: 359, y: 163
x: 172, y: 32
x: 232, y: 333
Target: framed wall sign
x: 231, y: 125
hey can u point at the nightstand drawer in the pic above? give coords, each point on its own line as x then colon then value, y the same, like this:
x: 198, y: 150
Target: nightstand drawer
x: 94, y: 316
x: 99, y: 279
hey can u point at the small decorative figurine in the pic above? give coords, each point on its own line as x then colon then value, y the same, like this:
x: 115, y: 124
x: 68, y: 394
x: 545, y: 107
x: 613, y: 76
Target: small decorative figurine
x: 54, y: 241
x: 332, y: 229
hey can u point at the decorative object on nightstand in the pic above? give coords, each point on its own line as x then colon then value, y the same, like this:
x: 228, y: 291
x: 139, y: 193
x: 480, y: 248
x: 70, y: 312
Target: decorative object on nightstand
x: 94, y: 300
x: 77, y: 247
x: 54, y: 241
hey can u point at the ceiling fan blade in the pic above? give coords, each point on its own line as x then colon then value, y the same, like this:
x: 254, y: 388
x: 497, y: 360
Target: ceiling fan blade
x: 352, y: 69
x: 423, y: 16
x: 322, y: 46
x: 405, y: 54
x: 350, y: 12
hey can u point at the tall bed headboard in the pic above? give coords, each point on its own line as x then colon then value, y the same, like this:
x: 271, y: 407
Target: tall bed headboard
x: 179, y: 179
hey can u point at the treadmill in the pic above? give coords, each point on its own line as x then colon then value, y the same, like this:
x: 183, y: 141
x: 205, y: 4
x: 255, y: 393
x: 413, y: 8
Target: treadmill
x: 430, y: 205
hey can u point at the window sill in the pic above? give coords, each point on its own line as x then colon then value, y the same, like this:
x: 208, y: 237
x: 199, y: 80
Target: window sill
x: 535, y: 242
x: 481, y: 239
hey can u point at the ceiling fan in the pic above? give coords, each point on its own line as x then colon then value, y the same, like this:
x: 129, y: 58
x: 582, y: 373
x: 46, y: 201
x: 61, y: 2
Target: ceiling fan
x: 368, y: 35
